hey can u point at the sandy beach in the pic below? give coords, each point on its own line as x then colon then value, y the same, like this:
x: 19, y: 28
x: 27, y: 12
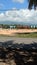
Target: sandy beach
x: 14, y: 31
x: 21, y: 55
x: 18, y: 54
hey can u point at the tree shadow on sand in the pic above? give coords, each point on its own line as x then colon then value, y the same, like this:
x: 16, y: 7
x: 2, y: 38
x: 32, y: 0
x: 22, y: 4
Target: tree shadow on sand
x: 22, y: 54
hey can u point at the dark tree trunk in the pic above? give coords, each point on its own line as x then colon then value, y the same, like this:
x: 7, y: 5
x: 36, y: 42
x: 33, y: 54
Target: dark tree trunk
x: 32, y: 3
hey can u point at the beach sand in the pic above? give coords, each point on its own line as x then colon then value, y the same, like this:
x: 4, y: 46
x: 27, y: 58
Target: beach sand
x: 15, y: 31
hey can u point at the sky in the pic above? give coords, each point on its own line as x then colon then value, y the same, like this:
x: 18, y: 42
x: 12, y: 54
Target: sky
x: 17, y: 10
x: 9, y: 4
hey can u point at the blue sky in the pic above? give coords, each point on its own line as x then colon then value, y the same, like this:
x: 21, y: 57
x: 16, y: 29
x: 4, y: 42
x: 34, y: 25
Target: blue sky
x: 17, y: 10
x: 9, y: 4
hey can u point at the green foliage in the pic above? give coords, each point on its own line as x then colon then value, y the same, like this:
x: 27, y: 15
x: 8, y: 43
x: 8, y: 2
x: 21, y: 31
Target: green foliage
x: 4, y: 26
x: 27, y: 35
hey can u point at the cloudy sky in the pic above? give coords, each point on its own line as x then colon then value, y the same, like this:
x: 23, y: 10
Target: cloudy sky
x: 17, y: 10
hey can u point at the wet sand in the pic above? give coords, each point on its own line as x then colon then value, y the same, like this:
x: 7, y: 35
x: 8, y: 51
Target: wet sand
x: 21, y: 57
x: 25, y: 54
x: 18, y: 40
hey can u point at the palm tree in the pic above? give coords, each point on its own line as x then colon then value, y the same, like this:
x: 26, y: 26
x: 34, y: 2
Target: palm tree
x: 32, y: 3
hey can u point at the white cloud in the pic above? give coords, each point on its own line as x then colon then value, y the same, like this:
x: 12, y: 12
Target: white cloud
x: 20, y: 1
x: 22, y: 15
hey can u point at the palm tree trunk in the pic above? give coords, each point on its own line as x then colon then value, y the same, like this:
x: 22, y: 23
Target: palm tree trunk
x: 32, y: 3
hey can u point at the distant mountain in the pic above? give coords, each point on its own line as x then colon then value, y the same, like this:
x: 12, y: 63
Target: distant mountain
x: 17, y: 23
